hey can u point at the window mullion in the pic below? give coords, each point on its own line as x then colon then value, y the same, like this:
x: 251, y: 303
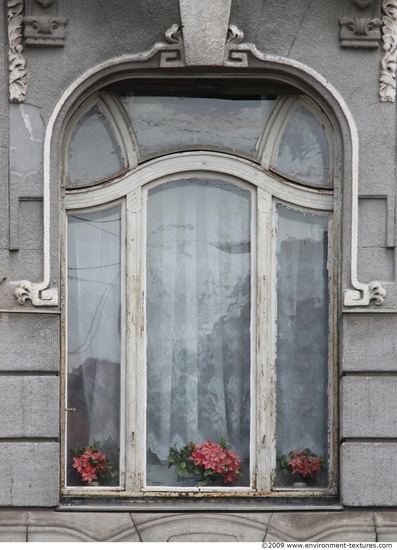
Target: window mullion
x: 265, y: 343
x: 134, y: 349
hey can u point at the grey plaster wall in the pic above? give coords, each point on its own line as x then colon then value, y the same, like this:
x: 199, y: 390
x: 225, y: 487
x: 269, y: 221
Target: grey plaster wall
x: 30, y: 351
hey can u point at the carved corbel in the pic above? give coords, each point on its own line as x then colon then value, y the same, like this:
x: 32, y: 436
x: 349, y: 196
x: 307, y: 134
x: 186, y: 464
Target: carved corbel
x: 45, y: 30
x: 359, y: 32
x: 44, y: 26
x: 359, y: 29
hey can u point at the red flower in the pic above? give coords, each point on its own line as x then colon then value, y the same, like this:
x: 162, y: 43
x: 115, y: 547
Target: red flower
x: 216, y: 459
x: 305, y: 464
x: 90, y: 462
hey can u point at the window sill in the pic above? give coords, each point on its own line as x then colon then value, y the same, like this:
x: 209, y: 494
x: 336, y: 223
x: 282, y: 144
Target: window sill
x: 192, y: 504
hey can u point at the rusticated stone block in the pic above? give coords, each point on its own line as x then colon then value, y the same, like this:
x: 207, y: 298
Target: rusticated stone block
x: 369, y: 474
x: 29, y: 341
x: 321, y: 526
x: 210, y: 527
x: 29, y: 474
x: 369, y: 406
x: 81, y: 527
x: 369, y: 342
x: 29, y: 406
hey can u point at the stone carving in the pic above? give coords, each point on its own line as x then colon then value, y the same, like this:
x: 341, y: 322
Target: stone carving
x: 17, y: 63
x: 43, y: 24
x: 45, y: 3
x: 362, y: 297
x: 174, y: 34
x: 387, y: 88
x: 45, y: 30
x: 359, y: 32
x: 38, y: 296
x: 362, y: 4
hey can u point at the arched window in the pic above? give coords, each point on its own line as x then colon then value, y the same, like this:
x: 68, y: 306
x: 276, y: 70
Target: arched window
x: 199, y: 288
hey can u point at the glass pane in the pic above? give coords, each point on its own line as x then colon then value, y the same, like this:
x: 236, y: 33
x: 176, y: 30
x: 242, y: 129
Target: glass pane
x: 162, y: 123
x: 198, y: 321
x: 94, y: 257
x: 304, y: 153
x: 94, y: 153
x: 302, y: 337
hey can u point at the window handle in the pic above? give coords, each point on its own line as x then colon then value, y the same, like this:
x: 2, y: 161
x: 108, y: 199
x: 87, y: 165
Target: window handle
x: 70, y: 410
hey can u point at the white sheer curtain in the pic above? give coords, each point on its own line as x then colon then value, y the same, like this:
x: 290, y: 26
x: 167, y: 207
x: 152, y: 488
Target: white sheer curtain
x: 302, y: 332
x: 94, y: 240
x: 198, y: 309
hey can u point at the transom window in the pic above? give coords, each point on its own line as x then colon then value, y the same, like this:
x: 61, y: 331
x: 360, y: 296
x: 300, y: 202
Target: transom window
x: 199, y: 281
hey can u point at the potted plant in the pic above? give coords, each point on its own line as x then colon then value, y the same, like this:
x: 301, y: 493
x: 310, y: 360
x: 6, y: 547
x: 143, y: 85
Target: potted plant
x: 302, y: 466
x: 92, y: 464
x: 207, y: 463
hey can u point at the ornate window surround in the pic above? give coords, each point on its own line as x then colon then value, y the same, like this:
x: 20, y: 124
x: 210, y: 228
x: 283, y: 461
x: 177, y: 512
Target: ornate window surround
x: 237, y: 55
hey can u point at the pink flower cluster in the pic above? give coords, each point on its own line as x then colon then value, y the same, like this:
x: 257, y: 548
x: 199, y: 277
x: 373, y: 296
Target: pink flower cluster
x: 305, y: 464
x: 90, y: 464
x: 217, y: 459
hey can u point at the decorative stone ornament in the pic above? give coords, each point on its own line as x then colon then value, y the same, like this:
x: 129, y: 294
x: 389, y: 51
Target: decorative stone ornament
x: 45, y: 30
x: 43, y: 24
x: 362, y: 4
x: 45, y: 3
x: 387, y: 88
x: 17, y: 63
x: 358, y: 30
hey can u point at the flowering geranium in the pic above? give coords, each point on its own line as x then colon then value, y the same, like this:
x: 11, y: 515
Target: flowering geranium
x: 304, y: 463
x: 91, y: 463
x: 209, y: 461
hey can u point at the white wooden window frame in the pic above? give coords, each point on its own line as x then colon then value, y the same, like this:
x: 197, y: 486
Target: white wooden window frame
x: 270, y: 191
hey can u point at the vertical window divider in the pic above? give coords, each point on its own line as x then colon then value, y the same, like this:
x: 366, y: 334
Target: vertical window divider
x: 134, y: 351
x: 265, y: 345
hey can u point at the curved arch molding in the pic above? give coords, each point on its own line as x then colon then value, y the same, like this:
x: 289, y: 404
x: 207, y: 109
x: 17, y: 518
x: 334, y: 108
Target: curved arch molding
x: 236, y: 54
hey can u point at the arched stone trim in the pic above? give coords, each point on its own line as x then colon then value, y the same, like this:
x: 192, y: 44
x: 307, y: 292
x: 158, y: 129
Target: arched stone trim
x: 237, y: 53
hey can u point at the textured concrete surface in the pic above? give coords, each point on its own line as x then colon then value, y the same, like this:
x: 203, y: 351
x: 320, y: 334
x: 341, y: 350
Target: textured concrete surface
x: 369, y: 406
x: 368, y: 474
x: 29, y: 474
x: 29, y: 406
x: 369, y: 342
x: 29, y: 342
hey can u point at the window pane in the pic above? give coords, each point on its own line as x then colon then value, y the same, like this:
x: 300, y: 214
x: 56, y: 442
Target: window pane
x: 94, y: 153
x: 303, y: 153
x: 198, y: 321
x: 302, y: 335
x: 162, y: 123
x: 94, y: 335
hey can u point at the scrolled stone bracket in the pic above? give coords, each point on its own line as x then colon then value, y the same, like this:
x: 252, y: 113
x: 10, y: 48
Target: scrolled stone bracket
x: 363, y: 296
x: 35, y: 293
x: 387, y: 90
x: 16, y: 59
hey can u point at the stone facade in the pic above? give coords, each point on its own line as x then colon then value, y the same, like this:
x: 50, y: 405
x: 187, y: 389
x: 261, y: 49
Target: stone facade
x: 349, y: 67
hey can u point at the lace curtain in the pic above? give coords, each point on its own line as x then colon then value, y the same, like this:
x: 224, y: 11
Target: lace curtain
x: 198, y: 309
